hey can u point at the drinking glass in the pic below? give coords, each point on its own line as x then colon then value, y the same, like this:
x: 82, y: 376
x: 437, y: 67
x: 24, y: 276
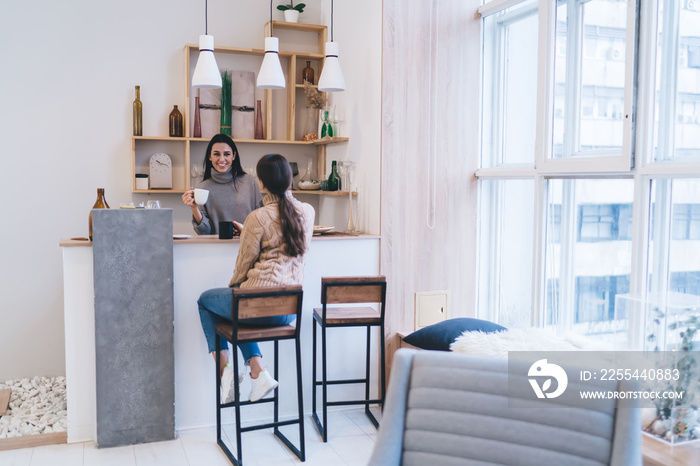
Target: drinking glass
x: 153, y: 205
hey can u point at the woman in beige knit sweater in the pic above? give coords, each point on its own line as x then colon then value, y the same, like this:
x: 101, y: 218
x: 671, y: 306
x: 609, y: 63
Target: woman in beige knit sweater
x: 274, y: 241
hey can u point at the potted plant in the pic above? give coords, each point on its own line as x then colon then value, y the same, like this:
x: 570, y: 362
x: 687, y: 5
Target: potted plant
x: 291, y: 11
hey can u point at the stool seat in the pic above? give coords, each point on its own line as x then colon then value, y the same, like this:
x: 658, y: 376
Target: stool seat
x: 249, y: 333
x: 348, y: 316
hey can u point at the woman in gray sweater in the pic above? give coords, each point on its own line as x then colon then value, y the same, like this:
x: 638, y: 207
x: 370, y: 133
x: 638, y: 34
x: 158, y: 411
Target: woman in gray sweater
x: 233, y: 193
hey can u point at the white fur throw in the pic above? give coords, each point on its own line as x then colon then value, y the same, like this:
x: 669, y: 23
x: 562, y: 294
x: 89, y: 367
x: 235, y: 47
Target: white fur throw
x: 497, y: 344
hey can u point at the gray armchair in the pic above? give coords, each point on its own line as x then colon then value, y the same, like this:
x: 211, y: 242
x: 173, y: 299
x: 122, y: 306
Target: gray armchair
x: 452, y: 409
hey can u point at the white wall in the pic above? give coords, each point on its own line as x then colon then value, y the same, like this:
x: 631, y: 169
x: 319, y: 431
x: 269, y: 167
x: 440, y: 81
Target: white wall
x: 67, y: 86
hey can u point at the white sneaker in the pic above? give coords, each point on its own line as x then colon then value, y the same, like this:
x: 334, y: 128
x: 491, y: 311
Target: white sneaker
x: 228, y: 391
x: 262, y: 386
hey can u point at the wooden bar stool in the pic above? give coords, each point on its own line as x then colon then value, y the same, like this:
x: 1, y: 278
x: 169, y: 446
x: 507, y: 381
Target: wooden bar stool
x: 348, y: 290
x: 250, y: 303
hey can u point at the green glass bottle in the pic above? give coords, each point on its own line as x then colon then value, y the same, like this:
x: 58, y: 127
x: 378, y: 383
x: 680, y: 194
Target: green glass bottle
x: 138, y: 116
x: 324, y: 128
x: 334, y: 179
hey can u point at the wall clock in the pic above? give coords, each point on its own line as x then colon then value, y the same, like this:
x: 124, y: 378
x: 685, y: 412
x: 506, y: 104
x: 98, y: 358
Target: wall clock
x: 161, y: 171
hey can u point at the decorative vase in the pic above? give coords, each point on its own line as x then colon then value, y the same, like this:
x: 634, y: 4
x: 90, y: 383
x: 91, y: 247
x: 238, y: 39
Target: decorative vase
x: 258, y: 121
x: 175, y: 123
x: 197, y: 130
x: 291, y: 16
x: 310, y: 125
x: 226, y: 103
x: 138, y: 113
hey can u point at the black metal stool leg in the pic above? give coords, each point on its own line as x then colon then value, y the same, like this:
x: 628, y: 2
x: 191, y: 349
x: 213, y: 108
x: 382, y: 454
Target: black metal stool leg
x: 320, y: 426
x: 324, y: 385
x: 382, y: 361
x: 367, y: 369
x: 300, y: 395
x: 313, y: 371
x: 276, y: 403
x: 237, y: 404
x: 217, y: 341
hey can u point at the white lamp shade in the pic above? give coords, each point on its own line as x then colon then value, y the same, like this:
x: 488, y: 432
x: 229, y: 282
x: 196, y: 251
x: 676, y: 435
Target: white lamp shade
x: 270, y: 75
x: 206, y: 73
x: 331, y: 79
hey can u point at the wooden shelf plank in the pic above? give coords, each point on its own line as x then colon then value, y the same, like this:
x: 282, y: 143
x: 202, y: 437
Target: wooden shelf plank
x: 324, y: 141
x: 158, y: 191
x: 259, y: 52
x: 317, y: 28
x: 158, y: 138
x: 318, y: 192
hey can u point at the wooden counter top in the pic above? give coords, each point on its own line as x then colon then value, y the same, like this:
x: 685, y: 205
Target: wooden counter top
x: 214, y: 239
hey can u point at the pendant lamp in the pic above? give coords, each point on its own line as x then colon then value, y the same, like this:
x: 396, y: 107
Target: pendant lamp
x: 331, y: 79
x: 206, y: 72
x: 270, y: 75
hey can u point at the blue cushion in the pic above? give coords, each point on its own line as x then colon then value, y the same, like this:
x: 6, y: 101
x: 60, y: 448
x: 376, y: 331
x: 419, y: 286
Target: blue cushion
x: 441, y: 335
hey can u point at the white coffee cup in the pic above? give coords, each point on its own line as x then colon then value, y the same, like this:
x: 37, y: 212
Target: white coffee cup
x: 201, y: 196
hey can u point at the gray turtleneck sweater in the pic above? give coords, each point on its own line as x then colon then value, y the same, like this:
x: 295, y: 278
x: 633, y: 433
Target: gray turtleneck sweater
x: 228, y: 201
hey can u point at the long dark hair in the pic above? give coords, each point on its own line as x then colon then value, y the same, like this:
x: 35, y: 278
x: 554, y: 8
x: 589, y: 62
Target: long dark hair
x: 236, y: 168
x: 276, y: 175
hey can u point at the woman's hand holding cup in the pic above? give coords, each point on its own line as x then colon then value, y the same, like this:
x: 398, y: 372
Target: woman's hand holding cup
x: 188, y: 197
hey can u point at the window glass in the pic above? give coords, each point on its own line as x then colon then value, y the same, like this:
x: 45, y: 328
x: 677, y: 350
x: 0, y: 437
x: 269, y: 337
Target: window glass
x: 510, y: 86
x: 589, y: 78
x: 588, y: 253
x: 674, y: 262
x: 677, y: 129
x: 506, y: 231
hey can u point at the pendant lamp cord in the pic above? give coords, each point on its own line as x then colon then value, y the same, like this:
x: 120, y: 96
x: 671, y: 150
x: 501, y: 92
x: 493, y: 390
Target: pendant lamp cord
x: 331, y: 20
x: 270, y: 17
x: 206, y: 17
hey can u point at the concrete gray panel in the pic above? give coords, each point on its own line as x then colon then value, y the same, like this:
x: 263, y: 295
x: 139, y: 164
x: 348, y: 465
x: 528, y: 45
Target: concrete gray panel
x: 133, y: 267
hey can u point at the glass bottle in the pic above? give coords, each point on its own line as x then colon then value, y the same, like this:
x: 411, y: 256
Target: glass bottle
x: 307, y: 74
x: 175, y: 123
x: 197, y: 130
x: 138, y: 113
x: 258, y: 121
x: 326, y: 129
x: 100, y: 203
x: 333, y: 178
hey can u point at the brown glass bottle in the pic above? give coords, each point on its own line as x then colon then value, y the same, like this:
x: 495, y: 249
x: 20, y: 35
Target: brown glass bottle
x: 175, y: 123
x: 307, y: 74
x: 138, y: 113
x: 258, y: 121
x: 100, y: 203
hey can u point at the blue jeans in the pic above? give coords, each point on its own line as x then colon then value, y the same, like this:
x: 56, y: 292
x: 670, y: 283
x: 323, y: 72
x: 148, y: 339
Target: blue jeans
x: 215, y: 307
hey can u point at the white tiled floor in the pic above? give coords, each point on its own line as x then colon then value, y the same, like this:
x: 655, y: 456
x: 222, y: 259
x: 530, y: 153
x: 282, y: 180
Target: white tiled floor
x: 351, y: 437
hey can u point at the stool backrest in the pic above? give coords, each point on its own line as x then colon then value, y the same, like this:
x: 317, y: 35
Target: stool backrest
x: 349, y: 290
x: 267, y: 301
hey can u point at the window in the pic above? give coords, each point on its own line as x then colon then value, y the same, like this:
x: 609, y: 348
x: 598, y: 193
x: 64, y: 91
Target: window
x: 608, y: 207
x: 510, y: 82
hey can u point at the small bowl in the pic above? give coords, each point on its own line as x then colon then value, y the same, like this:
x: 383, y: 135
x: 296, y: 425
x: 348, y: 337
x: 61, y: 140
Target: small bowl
x: 309, y: 185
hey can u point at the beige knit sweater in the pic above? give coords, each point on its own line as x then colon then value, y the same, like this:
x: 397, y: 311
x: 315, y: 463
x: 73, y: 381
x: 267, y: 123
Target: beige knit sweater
x: 262, y: 260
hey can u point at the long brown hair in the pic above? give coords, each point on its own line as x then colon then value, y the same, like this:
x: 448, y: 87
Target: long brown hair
x: 276, y: 175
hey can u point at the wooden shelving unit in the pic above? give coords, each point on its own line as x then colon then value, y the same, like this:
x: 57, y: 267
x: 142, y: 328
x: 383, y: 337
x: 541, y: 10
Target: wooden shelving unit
x: 179, y: 148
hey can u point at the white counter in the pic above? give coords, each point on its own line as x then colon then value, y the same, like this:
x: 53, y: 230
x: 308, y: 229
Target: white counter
x: 201, y: 263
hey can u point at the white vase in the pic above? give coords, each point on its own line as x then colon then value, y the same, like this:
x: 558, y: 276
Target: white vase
x: 291, y: 16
